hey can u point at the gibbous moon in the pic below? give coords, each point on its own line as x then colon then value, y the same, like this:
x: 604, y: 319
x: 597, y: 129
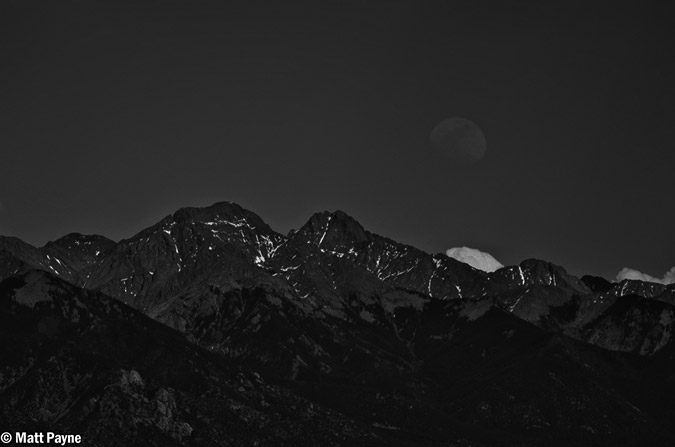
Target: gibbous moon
x: 459, y: 140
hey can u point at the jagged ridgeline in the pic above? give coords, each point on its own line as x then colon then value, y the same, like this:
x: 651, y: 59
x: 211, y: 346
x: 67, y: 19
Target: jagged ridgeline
x: 210, y: 328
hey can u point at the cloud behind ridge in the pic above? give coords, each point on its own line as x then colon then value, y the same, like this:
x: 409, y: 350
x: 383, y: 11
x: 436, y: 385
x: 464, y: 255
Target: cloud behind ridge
x: 475, y: 258
x: 628, y: 273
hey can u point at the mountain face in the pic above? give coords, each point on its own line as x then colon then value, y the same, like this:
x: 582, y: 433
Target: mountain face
x: 210, y: 326
x: 65, y: 257
x: 79, y: 361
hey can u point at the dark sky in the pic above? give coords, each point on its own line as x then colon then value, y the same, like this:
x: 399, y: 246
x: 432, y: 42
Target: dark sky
x: 114, y: 114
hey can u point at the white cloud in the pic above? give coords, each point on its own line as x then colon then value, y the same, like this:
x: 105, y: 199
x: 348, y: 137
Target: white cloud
x: 627, y: 273
x: 475, y: 258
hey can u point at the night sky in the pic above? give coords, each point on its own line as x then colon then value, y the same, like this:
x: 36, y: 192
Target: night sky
x: 115, y: 114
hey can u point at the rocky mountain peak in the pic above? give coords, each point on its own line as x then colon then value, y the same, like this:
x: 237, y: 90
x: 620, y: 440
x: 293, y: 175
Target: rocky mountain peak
x: 637, y: 287
x: 596, y: 283
x: 542, y: 272
x: 337, y: 229
x: 218, y: 212
x: 73, y: 239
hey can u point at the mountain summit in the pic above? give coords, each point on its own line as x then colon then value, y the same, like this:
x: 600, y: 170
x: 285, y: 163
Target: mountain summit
x: 333, y: 230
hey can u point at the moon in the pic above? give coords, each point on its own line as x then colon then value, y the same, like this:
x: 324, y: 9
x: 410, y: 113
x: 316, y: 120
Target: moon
x: 458, y: 140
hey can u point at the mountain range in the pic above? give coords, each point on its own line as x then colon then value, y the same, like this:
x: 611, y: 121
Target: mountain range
x: 210, y: 328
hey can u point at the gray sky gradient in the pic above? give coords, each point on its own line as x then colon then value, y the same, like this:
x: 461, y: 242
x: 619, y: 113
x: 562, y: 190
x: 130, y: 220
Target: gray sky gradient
x: 114, y: 114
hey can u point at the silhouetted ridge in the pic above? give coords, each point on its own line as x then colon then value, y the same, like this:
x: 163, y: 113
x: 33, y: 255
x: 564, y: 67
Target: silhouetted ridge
x: 16, y: 245
x: 596, y: 283
x: 226, y: 211
x: 71, y: 239
x: 547, y: 273
x: 637, y: 287
x: 330, y: 230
